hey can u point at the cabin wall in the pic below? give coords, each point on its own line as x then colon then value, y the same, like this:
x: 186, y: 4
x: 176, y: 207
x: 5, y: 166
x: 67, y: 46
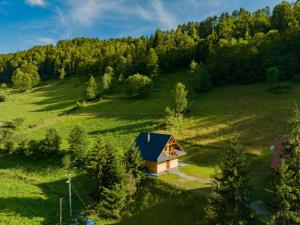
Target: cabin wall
x: 173, y: 163
x: 161, y: 167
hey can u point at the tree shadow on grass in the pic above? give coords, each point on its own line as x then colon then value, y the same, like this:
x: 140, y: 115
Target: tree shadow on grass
x: 44, y: 208
x: 148, y: 125
x: 185, y: 208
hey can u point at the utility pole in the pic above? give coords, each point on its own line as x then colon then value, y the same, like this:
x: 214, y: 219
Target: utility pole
x: 60, y: 211
x: 70, y: 194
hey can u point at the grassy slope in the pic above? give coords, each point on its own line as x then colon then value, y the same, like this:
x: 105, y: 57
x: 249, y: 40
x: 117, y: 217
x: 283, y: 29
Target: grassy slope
x: 259, y: 116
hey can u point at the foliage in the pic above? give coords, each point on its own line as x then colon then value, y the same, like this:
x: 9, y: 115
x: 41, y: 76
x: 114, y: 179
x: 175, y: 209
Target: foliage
x: 134, y: 163
x: 203, y: 82
x: 62, y: 74
x: 194, y: 66
x: 113, y: 201
x: 272, y: 75
x: 152, y: 61
x: 288, y: 178
x: 78, y: 146
x: 229, y: 200
x: 3, y: 86
x: 238, y: 47
x: 172, y: 120
x: 106, y: 81
x: 96, y: 161
x: 2, y: 95
x: 138, y: 85
x: 91, y: 90
x: 180, y: 98
x: 50, y: 146
x: 26, y: 77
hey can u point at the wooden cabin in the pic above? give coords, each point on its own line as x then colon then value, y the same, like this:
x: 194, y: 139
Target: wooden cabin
x: 159, y: 151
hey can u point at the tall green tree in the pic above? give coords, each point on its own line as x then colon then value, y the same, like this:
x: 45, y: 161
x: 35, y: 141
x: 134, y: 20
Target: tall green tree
x: 78, y: 146
x: 229, y: 201
x: 134, y: 163
x: 287, y: 191
x: 180, y: 98
x: 152, y: 62
x: 106, y: 81
x: 96, y: 161
x: 91, y: 90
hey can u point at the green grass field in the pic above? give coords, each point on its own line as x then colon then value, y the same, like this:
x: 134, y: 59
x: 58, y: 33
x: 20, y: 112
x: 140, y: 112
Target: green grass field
x: 30, y: 191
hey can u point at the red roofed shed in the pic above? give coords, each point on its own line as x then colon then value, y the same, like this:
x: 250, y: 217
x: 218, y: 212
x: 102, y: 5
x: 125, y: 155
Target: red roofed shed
x: 278, y: 151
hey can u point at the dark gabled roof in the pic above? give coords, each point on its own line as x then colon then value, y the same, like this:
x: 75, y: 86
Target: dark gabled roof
x: 152, y: 151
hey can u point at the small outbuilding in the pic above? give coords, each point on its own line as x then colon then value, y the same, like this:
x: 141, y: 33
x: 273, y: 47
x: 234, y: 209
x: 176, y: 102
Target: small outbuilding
x: 278, y: 152
x: 159, y: 151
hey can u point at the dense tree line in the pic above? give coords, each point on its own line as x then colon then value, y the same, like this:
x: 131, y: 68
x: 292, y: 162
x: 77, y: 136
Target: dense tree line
x: 238, y: 48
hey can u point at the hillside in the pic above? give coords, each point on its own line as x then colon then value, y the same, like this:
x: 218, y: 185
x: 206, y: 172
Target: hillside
x: 259, y: 116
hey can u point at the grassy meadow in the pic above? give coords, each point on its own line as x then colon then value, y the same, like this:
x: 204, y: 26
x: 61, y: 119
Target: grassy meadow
x: 30, y: 191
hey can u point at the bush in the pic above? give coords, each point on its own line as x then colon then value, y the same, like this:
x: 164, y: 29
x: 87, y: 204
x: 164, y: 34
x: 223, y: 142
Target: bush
x: 203, y: 82
x: 138, y: 85
x: 272, y: 75
x: 2, y: 95
x: 279, y: 88
x: 172, y: 120
x: 3, y: 86
x: 50, y: 145
x: 18, y: 121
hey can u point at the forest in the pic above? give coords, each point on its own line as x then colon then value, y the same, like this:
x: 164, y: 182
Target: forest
x: 236, y: 47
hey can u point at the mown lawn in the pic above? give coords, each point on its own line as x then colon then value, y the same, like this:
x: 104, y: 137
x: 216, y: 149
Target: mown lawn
x: 258, y: 116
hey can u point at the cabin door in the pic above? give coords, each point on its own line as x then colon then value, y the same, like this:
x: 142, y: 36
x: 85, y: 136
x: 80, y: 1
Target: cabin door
x: 168, y: 164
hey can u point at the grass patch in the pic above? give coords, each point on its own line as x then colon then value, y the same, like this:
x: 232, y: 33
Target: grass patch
x: 198, y: 171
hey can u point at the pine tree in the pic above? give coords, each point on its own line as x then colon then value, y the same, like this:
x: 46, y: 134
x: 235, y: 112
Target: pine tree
x: 96, y: 161
x: 134, y: 163
x: 228, y: 203
x: 112, y: 184
x: 287, y: 191
x: 91, y: 91
x: 78, y: 146
x: 113, y: 201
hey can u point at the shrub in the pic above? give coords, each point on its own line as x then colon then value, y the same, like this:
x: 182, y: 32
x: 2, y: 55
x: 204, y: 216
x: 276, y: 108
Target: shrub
x: 138, y: 85
x: 50, y: 145
x: 18, y: 121
x: 172, y: 120
x: 203, y: 82
x: 272, y: 75
x: 3, y: 86
x: 2, y: 95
